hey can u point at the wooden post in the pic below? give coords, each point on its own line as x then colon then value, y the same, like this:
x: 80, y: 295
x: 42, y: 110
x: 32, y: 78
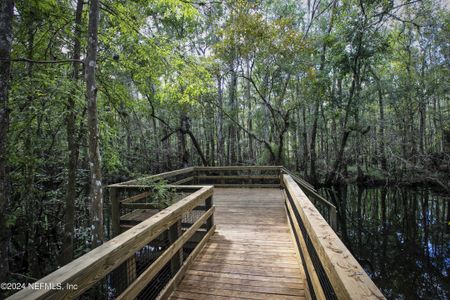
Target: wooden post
x: 177, y: 259
x: 115, y: 210
x: 222, y: 180
x: 333, y: 217
x: 208, y: 204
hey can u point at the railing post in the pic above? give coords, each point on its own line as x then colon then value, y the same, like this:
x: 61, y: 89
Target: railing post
x: 222, y: 180
x: 208, y: 204
x: 333, y: 218
x: 177, y: 259
x: 115, y: 210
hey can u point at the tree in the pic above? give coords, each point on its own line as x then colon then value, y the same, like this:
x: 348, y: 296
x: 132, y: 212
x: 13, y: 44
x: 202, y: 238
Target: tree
x: 6, y: 18
x: 96, y: 192
x: 72, y: 144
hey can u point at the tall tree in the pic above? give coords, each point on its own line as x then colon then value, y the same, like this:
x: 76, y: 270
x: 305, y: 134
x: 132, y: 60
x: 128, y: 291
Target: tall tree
x: 72, y: 144
x: 96, y: 192
x: 6, y: 17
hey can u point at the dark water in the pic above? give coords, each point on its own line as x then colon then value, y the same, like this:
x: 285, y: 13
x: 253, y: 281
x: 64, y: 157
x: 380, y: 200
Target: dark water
x: 399, y: 237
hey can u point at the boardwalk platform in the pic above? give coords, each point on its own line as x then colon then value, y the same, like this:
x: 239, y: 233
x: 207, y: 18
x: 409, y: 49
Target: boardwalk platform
x: 230, y: 232
x: 251, y: 255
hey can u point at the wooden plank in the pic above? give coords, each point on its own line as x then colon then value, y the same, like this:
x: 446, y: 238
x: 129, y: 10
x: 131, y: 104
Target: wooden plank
x: 139, y: 205
x: 348, y: 278
x: 256, y: 281
x: 184, y: 180
x: 173, y: 283
x: 265, y: 271
x: 115, y: 211
x: 133, y: 290
x: 155, y: 176
x: 251, y: 259
x: 191, y: 284
x: 197, y: 296
x: 214, y: 274
x: 249, y: 248
x: 297, y: 250
x: 244, y: 259
x: 136, y: 197
x: 93, y: 266
x: 253, y: 185
x: 241, y: 177
x: 138, y: 215
x: 296, y: 178
x: 238, y: 168
x: 174, y: 233
x: 314, y: 278
x: 279, y: 263
x: 232, y: 294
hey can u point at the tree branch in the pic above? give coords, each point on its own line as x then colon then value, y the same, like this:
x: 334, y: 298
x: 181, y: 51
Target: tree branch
x: 64, y: 61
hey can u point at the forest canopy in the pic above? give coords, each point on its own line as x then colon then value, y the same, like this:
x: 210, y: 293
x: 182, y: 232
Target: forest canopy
x: 97, y: 92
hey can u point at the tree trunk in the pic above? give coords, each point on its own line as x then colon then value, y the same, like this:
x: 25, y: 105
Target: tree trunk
x: 381, y: 145
x: 96, y: 192
x: 233, y: 107
x: 31, y: 247
x: 312, y: 147
x: 6, y: 17
x: 184, y: 154
x: 73, y: 147
x: 251, y: 154
x: 220, y: 140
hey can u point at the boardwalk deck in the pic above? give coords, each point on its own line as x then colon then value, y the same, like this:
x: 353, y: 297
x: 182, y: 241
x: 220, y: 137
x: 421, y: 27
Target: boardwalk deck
x: 251, y: 255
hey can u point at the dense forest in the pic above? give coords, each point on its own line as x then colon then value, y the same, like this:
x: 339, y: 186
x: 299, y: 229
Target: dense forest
x: 96, y: 92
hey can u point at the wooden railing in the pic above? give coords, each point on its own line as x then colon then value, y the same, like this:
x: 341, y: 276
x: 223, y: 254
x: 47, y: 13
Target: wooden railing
x: 239, y: 176
x: 225, y: 176
x: 181, y: 176
x: 262, y: 176
x: 152, y: 248
x: 327, y: 209
x: 147, y: 258
x: 332, y: 271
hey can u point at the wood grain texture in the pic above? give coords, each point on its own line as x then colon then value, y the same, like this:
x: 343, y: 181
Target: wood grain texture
x: 251, y: 255
x: 348, y: 278
x: 93, y: 266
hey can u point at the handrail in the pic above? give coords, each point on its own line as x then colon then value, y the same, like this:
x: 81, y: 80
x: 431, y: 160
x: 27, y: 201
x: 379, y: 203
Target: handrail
x: 222, y: 180
x: 164, y: 175
x: 230, y: 168
x: 239, y: 176
x: 309, y: 189
x: 90, y: 268
x: 332, y: 271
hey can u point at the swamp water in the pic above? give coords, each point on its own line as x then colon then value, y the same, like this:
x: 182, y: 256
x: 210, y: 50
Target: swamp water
x: 398, y: 234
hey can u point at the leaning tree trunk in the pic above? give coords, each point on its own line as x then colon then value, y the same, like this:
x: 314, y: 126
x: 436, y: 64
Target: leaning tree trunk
x: 312, y: 148
x: 95, y: 193
x: 73, y: 147
x: 6, y: 17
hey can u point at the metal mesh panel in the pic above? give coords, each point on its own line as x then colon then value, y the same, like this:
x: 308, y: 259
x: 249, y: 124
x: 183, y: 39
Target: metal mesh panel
x: 114, y: 283
x: 323, y: 209
x: 188, y: 219
x: 297, y: 241
x: 152, y: 290
x: 323, y: 278
x: 191, y: 217
x: 109, y: 287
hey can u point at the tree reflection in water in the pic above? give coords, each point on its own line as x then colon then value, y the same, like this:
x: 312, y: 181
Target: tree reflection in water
x: 398, y: 235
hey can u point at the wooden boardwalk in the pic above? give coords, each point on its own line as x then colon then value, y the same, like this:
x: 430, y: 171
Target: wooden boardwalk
x: 251, y: 255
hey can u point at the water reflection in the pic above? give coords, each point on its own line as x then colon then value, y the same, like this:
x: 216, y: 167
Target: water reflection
x: 398, y: 236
